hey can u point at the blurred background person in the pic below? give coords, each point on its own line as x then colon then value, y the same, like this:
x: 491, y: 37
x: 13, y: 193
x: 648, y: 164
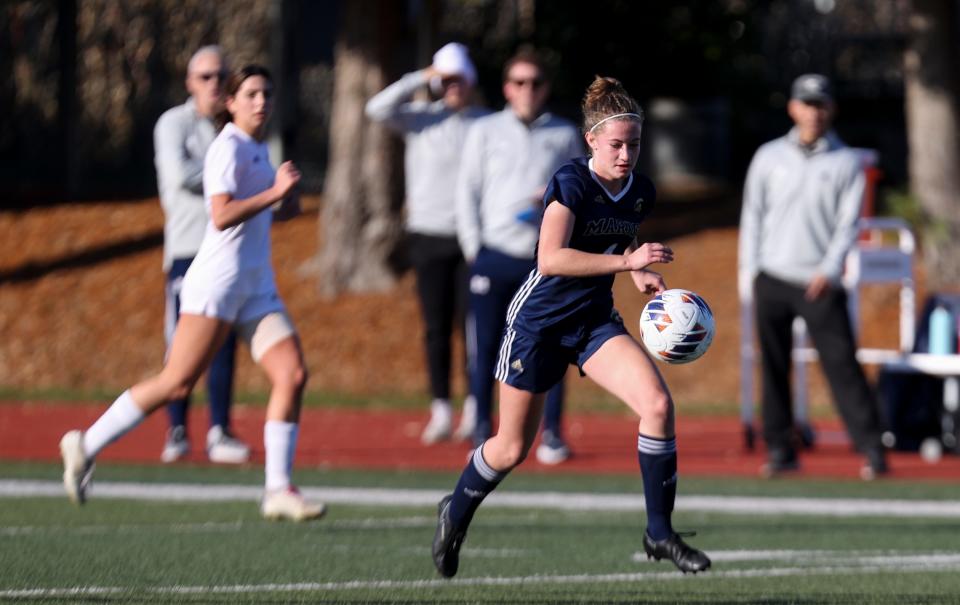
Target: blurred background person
x: 231, y: 283
x: 801, y: 202
x: 508, y: 159
x: 434, y: 134
x: 181, y: 138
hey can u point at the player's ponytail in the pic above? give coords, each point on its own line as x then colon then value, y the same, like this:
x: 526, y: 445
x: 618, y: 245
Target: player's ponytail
x: 233, y: 85
x: 606, y: 99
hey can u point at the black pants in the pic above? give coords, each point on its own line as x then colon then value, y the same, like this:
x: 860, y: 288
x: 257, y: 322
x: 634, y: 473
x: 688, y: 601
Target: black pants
x: 828, y: 322
x: 441, y: 285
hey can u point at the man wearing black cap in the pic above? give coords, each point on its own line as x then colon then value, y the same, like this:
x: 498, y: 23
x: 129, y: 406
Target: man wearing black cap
x: 801, y: 201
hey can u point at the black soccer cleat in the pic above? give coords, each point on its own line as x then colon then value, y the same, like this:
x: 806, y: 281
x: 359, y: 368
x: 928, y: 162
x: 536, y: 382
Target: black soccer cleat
x: 875, y: 464
x: 447, y: 541
x: 684, y: 556
x: 780, y: 461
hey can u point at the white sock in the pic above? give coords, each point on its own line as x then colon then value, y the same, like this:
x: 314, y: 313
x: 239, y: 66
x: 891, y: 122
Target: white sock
x: 469, y: 409
x: 280, y: 442
x: 119, y: 419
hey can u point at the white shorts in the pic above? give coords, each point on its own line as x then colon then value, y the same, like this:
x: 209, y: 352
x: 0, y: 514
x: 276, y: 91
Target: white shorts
x: 261, y: 320
x: 228, y: 306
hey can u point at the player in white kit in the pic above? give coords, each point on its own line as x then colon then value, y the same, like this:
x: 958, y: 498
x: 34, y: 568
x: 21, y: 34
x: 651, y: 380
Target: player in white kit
x: 229, y: 285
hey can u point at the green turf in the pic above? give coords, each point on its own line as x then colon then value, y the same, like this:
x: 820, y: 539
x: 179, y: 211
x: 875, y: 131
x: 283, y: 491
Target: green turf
x: 521, y: 479
x: 577, y: 402
x: 311, y: 398
x: 224, y: 553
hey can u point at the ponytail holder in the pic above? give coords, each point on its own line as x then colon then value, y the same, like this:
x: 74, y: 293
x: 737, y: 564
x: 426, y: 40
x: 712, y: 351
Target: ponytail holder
x: 617, y: 115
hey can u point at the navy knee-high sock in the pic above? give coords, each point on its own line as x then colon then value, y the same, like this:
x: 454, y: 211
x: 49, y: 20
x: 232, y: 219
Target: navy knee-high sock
x: 477, y: 480
x: 658, y: 463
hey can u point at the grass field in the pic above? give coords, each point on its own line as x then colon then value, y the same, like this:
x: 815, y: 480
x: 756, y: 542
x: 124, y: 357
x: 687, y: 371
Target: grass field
x: 161, y: 547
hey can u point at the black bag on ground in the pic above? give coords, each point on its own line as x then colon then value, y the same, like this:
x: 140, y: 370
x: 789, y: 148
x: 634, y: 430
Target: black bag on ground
x: 912, y: 404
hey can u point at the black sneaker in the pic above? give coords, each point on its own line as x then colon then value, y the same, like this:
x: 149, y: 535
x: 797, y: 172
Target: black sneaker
x: 875, y: 465
x: 780, y: 461
x: 447, y: 541
x: 684, y: 556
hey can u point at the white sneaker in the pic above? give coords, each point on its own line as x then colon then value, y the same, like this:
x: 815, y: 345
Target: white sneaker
x: 468, y: 419
x: 77, y: 470
x: 552, y: 449
x: 176, y: 446
x: 224, y: 448
x: 288, y: 504
x: 440, y: 426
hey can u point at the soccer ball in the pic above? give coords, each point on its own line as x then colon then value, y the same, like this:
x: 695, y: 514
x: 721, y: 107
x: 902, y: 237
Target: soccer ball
x: 677, y: 326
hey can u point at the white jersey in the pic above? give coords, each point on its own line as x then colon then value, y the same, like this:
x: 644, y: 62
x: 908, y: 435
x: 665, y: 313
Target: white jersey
x: 235, y: 260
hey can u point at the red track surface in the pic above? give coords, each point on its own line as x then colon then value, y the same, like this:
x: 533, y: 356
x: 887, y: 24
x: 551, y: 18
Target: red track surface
x: 344, y: 438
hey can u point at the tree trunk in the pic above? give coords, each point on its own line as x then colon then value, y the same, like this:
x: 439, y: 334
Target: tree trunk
x: 360, y: 222
x: 932, y: 70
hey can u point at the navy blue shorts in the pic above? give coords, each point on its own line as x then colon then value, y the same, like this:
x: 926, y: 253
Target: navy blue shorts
x: 532, y: 365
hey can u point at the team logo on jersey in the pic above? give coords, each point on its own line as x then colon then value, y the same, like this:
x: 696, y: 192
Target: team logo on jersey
x: 517, y: 365
x: 638, y: 205
x: 598, y: 199
x: 611, y: 226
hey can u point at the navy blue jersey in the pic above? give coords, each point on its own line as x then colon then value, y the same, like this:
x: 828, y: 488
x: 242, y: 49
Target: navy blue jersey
x: 561, y: 309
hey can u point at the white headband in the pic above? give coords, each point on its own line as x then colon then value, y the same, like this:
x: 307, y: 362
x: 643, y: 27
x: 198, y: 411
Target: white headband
x: 617, y: 115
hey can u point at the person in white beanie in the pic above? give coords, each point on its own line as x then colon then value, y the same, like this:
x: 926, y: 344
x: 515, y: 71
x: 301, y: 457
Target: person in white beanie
x: 434, y: 133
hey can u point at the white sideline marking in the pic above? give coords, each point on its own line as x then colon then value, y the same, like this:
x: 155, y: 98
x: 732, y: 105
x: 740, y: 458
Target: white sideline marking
x: 568, y: 501
x: 867, y: 565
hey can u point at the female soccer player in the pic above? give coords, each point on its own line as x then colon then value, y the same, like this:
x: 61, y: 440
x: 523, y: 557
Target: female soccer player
x: 564, y: 314
x: 230, y: 283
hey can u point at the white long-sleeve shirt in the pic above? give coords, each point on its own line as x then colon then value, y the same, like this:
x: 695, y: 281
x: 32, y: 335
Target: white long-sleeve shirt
x: 434, y: 135
x: 181, y: 138
x: 800, y: 207
x: 506, y: 164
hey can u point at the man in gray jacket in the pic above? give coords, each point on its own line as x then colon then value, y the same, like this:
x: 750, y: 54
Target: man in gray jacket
x: 801, y: 202
x: 181, y: 138
x: 508, y: 158
x: 433, y: 133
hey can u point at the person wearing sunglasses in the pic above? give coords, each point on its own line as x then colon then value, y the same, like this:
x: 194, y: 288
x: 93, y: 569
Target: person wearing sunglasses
x: 181, y: 138
x: 507, y: 161
x: 434, y: 132
x: 231, y: 286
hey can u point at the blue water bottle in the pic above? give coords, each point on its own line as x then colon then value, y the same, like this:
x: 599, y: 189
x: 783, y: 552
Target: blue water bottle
x: 941, y: 332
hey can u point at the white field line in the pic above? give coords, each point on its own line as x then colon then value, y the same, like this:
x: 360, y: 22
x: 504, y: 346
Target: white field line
x: 820, y: 557
x: 424, y: 551
x: 866, y: 565
x: 569, y: 501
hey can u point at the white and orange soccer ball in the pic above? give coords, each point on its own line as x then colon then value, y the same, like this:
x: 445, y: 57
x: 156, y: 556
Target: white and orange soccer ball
x: 677, y: 326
